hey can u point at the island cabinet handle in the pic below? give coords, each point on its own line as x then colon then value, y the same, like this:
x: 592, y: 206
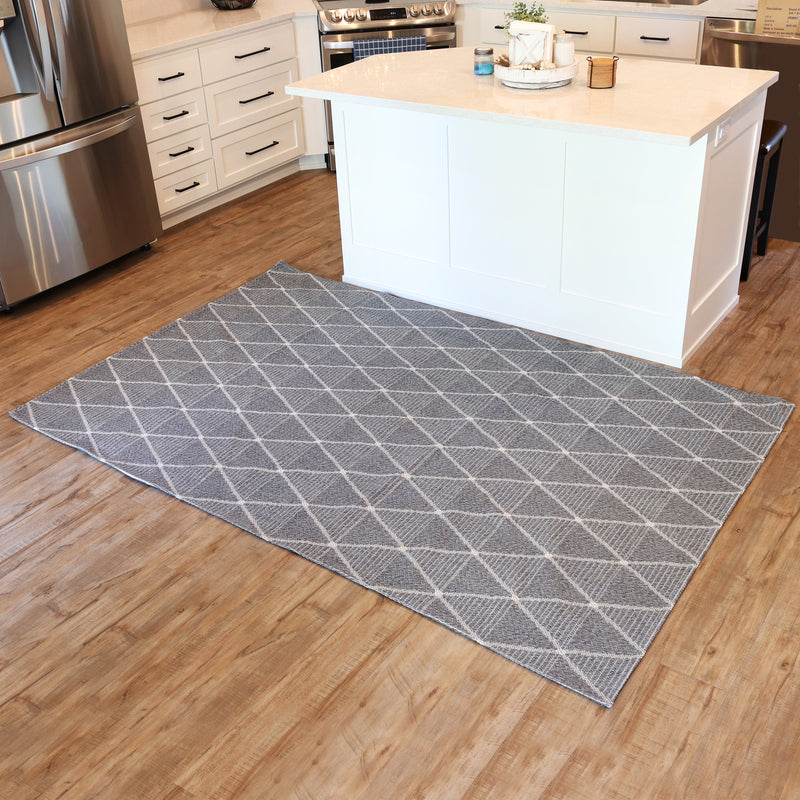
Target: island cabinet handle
x: 172, y: 77
x: 254, y: 53
x: 189, y: 149
x: 176, y: 116
x: 186, y: 188
x: 655, y: 38
x: 577, y: 33
x: 253, y: 99
x: 260, y: 149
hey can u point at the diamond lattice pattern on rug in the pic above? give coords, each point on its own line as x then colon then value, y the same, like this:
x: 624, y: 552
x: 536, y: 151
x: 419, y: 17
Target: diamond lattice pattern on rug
x: 548, y: 500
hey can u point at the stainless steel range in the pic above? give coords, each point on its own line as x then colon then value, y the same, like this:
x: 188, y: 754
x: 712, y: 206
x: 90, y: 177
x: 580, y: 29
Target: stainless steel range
x: 342, y: 22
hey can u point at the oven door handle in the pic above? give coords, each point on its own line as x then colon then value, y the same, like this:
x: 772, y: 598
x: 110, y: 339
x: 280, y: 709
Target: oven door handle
x: 433, y: 38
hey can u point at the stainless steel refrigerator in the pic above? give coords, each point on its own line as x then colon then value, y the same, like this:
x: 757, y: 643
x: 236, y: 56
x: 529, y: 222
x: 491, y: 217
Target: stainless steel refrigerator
x: 76, y: 190
x: 734, y: 43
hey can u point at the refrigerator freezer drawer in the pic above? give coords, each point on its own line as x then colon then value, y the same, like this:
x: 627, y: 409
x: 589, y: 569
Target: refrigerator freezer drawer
x: 72, y: 202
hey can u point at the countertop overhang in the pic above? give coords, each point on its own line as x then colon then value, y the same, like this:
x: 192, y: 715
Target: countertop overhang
x: 660, y: 101
x: 181, y: 28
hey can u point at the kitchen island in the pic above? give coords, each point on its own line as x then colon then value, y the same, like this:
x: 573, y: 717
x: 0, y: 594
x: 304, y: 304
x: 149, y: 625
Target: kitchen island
x: 612, y: 217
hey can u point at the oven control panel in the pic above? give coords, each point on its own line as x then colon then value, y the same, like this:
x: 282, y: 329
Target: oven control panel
x: 334, y: 17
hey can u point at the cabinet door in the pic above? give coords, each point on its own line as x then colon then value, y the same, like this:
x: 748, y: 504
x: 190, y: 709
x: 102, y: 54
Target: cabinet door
x: 657, y: 37
x: 247, y: 99
x: 591, y: 33
x: 247, y: 52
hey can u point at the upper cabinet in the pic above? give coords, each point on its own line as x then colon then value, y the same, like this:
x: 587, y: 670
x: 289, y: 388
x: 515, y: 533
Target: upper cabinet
x: 662, y: 36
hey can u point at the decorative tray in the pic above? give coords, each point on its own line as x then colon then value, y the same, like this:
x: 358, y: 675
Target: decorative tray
x: 536, y: 78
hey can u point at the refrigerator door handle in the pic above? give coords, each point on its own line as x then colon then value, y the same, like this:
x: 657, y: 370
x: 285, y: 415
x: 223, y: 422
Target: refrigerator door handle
x: 35, y: 21
x: 60, y: 60
x: 66, y: 141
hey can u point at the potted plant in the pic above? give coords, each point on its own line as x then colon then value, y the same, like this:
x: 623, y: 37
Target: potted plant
x: 521, y: 13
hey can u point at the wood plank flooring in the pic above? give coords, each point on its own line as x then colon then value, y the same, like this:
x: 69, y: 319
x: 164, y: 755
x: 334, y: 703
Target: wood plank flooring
x: 148, y: 650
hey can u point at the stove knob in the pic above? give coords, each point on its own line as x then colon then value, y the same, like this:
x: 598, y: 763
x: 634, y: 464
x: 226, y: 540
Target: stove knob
x: 438, y: 9
x: 335, y: 16
x: 414, y: 11
x: 349, y: 16
x: 426, y: 10
x: 362, y: 14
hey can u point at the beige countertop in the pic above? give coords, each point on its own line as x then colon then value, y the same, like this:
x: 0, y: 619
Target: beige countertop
x: 180, y: 27
x: 736, y: 9
x: 662, y: 101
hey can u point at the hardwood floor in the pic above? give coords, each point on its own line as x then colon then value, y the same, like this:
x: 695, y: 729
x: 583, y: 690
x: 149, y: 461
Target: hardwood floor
x: 148, y: 650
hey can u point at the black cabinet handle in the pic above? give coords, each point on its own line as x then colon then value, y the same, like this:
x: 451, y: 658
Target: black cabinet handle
x: 260, y: 149
x: 655, y: 38
x: 577, y: 33
x: 176, y: 116
x: 253, y: 99
x: 182, y: 152
x: 255, y: 52
x: 499, y: 27
x: 172, y: 77
x: 186, y: 188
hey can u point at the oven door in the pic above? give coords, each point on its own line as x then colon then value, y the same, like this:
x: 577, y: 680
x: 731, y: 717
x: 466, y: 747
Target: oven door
x: 337, y: 50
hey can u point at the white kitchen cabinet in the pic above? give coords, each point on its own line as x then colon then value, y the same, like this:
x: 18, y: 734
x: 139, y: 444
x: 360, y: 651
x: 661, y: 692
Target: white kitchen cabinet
x: 656, y: 37
x: 181, y: 149
x: 591, y: 33
x: 249, y: 98
x: 217, y: 120
x: 174, y: 114
x: 661, y: 36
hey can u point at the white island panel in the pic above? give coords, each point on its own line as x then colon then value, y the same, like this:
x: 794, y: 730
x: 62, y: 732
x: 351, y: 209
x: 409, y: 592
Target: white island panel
x: 614, y: 218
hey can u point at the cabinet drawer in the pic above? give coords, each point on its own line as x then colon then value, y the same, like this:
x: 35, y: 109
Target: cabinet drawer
x: 591, y: 33
x: 491, y: 26
x: 179, y: 151
x: 247, y: 52
x: 186, y: 186
x: 658, y: 37
x: 174, y: 114
x: 167, y: 75
x: 247, y: 99
x: 258, y: 148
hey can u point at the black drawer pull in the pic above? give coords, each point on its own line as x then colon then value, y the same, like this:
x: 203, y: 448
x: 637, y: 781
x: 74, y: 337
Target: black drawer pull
x: 172, y: 77
x: 577, y: 33
x: 176, y: 116
x: 253, y: 99
x: 255, y: 52
x: 655, y: 38
x: 499, y: 27
x: 182, y: 152
x: 261, y: 149
x: 186, y: 188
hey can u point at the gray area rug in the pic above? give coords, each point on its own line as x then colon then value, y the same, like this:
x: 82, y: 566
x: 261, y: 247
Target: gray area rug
x: 543, y: 498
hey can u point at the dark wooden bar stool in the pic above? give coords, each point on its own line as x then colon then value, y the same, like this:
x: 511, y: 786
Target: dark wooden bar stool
x: 769, y: 155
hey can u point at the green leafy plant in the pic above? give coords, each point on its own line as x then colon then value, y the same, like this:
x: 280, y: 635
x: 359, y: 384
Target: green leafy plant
x: 533, y: 13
